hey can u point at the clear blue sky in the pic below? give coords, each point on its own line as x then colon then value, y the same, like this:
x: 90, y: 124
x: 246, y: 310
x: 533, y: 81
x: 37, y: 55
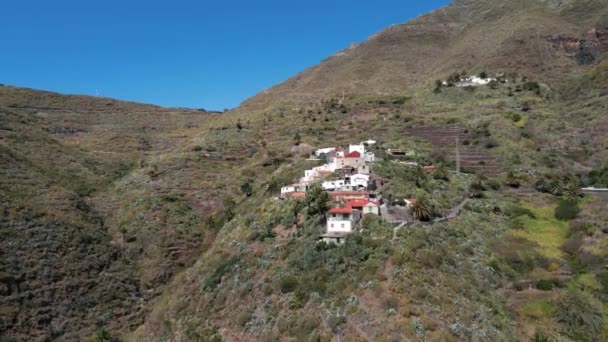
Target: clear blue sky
x: 208, y: 53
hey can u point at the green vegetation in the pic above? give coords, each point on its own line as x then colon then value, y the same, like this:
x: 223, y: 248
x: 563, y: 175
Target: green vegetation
x: 566, y: 210
x: 539, y: 309
x: 544, y: 229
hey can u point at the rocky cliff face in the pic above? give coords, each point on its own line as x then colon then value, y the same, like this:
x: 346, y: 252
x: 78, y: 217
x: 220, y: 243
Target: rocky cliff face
x: 587, y: 48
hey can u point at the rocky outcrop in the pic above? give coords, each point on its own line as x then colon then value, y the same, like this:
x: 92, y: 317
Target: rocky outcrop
x: 585, y: 49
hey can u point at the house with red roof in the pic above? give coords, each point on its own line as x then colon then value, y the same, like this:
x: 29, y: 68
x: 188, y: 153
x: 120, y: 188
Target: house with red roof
x: 365, y: 206
x: 342, y: 219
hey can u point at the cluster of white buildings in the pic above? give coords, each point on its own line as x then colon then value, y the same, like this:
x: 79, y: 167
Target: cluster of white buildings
x: 346, y: 176
x: 349, y: 170
x: 472, y: 81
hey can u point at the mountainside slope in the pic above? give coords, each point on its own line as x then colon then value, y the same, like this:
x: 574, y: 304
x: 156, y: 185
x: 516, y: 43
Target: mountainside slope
x: 64, y: 272
x: 541, y: 39
x: 143, y: 223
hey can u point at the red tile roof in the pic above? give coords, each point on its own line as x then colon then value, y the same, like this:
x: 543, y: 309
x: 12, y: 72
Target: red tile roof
x: 360, y: 203
x: 352, y: 155
x: 339, y: 210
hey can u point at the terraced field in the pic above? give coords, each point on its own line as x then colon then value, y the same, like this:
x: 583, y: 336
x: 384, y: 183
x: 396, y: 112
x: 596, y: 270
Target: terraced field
x: 471, y: 158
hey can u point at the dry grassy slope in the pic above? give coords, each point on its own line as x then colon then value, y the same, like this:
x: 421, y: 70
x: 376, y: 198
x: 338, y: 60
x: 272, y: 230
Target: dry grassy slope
x: 64, y: 272
x: 508, y: 36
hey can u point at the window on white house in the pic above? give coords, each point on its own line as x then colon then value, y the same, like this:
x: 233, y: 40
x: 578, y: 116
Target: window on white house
x: 331, y: 225
x: 342, y: 225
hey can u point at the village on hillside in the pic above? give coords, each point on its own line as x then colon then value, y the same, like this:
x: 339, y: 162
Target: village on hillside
x: 347, y: 176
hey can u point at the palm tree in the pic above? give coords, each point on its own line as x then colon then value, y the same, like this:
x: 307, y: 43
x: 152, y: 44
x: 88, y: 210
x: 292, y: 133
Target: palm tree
x: 441, y: 172
x: 572, y: 192
x: 556, y: 188
x: 419, y: 176
x: 297, y: 206
x: 102, y: 336
x: 477, y: 187
x: 246, y: 188
x: 317, y: 200
x: 273, y: 187
x: 422, y: 209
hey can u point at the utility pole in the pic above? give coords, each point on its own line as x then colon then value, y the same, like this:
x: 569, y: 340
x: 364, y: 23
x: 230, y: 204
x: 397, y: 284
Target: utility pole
x: 457, y: 155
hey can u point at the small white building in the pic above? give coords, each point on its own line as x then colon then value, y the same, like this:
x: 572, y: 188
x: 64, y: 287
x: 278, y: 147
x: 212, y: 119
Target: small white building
x: 369, y: 157
x: 327, y: 150
x: 369, y: 142
x: 317, y: 172
x: 298, y: 187
x: 342, y: 220
x: 334, y: 185
x: 358, y: 180
x: 472, y: 81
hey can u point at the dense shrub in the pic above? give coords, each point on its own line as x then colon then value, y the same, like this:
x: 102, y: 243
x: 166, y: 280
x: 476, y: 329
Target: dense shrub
x: 298, y: 299
x: 585, y: 227
x: 288, y: 284
x: 491, y: 143
x: 531, y: 86
x: 545, y: 285
x: 580, y: 316
x: 599, y: 177
x: 99, y: 336
x: 566, y: 210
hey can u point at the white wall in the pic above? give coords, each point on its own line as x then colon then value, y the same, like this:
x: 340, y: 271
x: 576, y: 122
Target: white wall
x: 370, y: 157
x: 339, y: 226
x: 358, y: 148
x: 371, y: 210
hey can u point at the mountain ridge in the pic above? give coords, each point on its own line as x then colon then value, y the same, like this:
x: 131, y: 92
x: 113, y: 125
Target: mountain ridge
x: 444, y: 41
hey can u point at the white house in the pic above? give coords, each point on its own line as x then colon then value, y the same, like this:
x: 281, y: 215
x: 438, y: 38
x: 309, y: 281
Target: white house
x: 317, y: 172
x: 334, y: 185
x: 358, y: 180
x: 327, y: 150
x: 298, y: 187
x: 368, y: 142
x: 369, y: 157
x: 342, y: 220
x: 365, y: 206
x: 474, y: 81
x: 353, y: 159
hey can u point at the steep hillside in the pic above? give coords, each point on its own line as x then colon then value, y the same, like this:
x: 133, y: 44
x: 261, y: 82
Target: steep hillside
x: 548, y: 40
x: 134, y: 222
x: 63, y: 271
